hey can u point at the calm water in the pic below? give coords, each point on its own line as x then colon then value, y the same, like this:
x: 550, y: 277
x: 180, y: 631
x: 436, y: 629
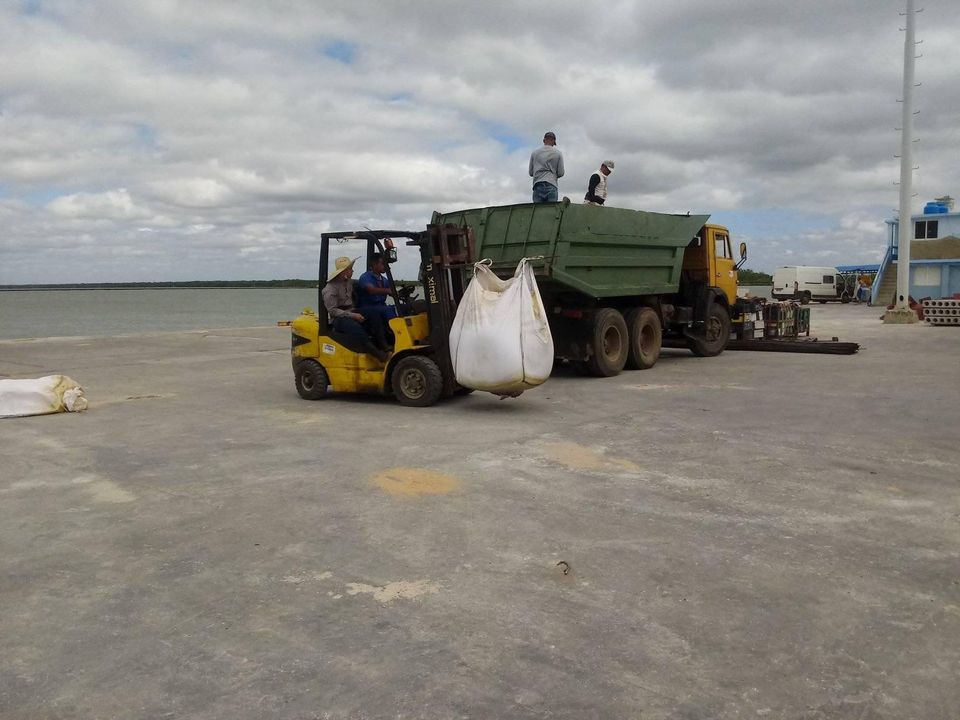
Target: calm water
x: 61, y: 313
x: 64, y: 313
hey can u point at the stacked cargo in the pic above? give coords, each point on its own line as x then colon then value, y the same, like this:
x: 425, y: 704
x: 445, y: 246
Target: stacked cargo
x: 785, y: 319
x: 942, y: 312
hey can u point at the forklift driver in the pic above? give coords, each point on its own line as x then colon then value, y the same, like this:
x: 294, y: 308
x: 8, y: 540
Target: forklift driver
x: 373, y: 289
x: 346, y: 318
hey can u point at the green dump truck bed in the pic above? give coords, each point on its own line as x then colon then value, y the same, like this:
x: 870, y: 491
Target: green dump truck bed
x: 598, y: 251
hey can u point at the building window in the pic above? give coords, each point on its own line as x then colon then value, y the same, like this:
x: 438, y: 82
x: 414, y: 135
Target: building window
x: 927, y: 276
x: 926, y: 229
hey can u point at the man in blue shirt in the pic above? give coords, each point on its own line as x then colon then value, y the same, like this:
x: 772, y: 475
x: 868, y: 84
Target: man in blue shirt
x: 373, y: 289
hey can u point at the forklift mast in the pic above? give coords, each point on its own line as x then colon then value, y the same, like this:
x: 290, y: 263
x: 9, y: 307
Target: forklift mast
x: 446, y: 258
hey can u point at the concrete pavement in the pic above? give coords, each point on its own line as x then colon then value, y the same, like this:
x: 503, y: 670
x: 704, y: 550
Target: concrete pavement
x: 752, y: 535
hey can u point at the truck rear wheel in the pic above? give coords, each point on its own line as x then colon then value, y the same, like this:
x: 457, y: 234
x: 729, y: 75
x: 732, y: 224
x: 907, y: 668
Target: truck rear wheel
x: 805, y: 298
x: 311, y: 380
x: 417, y: 381
x: 716, y: 332
x: 646, y: 337
x: 610, y: 341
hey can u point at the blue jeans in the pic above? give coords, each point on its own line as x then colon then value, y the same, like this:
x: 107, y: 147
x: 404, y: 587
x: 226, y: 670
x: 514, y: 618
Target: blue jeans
x: 373, y: 327
x: 544, y: 192
x: 348, y: 326
x: 386, y: 312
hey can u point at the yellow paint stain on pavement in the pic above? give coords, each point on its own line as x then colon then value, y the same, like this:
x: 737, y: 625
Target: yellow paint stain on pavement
x: 103, y: 490
x: 413, y: 482
x: 581, y: 457
x: 399, y: 590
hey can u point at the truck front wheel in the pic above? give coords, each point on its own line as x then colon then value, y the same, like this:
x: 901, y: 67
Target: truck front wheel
x: 646, y: 337
x: 610, y: 340
x: 716, y: 332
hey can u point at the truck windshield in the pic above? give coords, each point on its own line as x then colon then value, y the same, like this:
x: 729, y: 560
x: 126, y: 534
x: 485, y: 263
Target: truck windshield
x: 723, y: 246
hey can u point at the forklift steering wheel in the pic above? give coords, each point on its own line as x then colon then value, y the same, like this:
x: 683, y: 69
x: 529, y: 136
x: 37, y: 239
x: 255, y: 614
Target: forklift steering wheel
x: 404, y: 299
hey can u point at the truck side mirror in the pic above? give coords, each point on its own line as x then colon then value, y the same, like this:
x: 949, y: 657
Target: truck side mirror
x: 743, y: 255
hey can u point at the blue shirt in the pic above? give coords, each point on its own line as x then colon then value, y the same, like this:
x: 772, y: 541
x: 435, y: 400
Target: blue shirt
x: 367, y: 280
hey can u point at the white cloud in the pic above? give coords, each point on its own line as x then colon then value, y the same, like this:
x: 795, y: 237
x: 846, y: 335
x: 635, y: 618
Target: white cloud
x: 110, y: 205
x: 193, y: 192
x: 161, y: 140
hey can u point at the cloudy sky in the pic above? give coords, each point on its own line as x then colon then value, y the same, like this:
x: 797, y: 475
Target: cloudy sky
x: 165, y: 140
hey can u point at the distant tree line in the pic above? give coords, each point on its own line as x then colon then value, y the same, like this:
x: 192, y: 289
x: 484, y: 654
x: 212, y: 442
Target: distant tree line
x: 754, y: 277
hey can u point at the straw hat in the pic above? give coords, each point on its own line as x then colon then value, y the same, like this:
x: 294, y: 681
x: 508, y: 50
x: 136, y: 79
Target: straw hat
x: 341, y: 264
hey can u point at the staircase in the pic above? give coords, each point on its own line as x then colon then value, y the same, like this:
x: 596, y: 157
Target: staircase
x: 888, y: 286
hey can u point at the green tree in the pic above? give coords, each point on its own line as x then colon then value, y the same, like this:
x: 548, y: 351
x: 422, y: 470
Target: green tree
x: 753, y: 277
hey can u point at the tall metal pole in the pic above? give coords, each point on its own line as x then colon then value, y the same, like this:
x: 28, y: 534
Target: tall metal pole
x: 905, y: 230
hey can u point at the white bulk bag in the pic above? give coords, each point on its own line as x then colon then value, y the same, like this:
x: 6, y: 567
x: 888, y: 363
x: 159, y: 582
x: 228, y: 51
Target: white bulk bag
x: 500, y: 340
x: 40, y: 396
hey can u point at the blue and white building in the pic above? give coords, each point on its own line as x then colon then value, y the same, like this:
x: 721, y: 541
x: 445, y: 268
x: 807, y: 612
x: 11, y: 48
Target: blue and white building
x: 934, y: 254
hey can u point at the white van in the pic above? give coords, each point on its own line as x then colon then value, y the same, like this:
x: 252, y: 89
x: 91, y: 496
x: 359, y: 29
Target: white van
x: 805, y: 283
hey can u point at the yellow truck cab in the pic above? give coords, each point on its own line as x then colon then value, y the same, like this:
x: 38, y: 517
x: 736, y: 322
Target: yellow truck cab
x: 709, y: 259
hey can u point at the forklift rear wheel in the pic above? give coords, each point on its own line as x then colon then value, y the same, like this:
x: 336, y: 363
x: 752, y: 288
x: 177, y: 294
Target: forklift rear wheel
x: 646, y: 337
x: 311, y: 380
x: 610, y: 341
x: 417, y: 381
x: 716, y: 333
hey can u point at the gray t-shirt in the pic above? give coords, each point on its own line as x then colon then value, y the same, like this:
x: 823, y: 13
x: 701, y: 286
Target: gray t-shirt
x: 546, y: 165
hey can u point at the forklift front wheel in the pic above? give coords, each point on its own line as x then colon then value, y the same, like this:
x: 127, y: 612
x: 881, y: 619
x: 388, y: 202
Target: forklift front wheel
x: 417, y: 381
x: 311, y: 380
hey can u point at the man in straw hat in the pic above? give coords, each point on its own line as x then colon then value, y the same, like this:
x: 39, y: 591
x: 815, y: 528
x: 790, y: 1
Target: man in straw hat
x: 344, y: 315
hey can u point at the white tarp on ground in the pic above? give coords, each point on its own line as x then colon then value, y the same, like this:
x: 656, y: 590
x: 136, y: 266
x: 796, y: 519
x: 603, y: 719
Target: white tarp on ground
x: 500, y: 341
x: 40, y: 396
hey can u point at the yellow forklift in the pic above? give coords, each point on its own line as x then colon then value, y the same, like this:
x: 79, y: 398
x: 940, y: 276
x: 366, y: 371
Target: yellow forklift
x: 418, y: 370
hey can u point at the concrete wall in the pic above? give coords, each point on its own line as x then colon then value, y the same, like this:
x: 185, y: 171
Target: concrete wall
x: 755, y: 290
x: 934, y: 279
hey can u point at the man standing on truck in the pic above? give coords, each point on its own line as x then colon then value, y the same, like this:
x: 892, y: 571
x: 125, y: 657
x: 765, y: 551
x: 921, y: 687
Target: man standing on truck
x: 597, y: 187
x: 546, y: 168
